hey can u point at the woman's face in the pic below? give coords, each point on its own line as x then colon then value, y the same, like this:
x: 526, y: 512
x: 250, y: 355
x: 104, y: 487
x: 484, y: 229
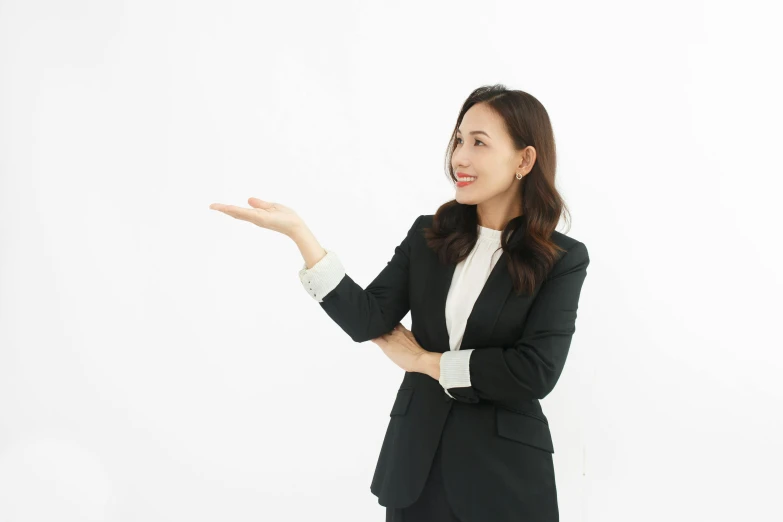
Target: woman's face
x: 489, y: 155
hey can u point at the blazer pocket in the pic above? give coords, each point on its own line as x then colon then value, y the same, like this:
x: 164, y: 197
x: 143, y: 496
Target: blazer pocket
x: 400, y: 406
x: 524, y: 428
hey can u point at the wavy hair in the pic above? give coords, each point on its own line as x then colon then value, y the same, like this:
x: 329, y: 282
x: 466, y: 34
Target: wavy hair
x: 525, y: 238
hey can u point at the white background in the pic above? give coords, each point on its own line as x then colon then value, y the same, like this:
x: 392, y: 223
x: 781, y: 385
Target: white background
x: 161, y: 361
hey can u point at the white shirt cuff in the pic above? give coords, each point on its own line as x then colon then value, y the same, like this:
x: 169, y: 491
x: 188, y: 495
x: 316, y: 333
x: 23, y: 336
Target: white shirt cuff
x: 455, y: 369
x: 322, y: 277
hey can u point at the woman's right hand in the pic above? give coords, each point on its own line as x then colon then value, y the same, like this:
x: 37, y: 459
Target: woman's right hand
x: 265, y: 214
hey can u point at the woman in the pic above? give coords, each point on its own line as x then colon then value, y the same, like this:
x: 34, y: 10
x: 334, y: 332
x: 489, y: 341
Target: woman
x: 493, y: 291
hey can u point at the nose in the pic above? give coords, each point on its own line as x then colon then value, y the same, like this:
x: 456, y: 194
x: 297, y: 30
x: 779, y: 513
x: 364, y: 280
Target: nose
x: 458, y: 164
x: 457, y: 161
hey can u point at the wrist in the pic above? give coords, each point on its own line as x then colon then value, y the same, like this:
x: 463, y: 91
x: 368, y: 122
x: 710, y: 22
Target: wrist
x: 300, y: 232
x: 431, y: 364
x: 311, y: 250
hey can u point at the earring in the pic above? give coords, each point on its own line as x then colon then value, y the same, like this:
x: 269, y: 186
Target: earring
x: 519, y: 176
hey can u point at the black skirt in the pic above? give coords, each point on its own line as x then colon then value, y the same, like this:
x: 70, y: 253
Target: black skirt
x: 432, y: 505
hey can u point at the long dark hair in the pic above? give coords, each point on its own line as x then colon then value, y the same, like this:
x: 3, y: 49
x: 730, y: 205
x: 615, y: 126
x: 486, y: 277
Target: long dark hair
x: 525, y: 238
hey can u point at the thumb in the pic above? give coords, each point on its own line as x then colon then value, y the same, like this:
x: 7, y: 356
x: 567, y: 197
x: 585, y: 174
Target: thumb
x: 260, y: 203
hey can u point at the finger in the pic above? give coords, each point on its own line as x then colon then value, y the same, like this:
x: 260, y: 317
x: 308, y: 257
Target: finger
x: 234, y: 211
x: 260, y: 203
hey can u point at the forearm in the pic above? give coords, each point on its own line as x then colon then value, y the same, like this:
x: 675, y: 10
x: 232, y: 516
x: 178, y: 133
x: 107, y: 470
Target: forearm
x: 309, y: 247
x: 529, y: 369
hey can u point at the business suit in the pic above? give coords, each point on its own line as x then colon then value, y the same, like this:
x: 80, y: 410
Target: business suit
x: 493, y: 438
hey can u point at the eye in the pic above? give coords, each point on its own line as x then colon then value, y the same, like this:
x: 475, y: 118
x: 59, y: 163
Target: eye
x: 477, y: 141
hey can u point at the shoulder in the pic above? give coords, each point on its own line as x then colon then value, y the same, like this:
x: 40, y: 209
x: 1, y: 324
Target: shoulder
x: 575, y: 255
x: 569, y: 244
x: 566, y: 242
x: 562, y: 240
x: 420, y: 223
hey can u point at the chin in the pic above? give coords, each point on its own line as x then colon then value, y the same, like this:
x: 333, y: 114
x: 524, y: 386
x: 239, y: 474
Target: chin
x: 462, y: 199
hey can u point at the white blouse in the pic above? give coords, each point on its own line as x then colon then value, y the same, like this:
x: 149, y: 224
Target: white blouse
x: 470, y: 274
x: 469, y: 278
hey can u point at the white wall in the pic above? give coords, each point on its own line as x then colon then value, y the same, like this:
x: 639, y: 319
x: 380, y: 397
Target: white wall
x: 161, y: 361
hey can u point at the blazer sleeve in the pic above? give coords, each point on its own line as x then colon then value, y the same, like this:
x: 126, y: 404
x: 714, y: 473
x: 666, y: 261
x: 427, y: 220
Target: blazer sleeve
x: 363, y: 314
x: 529, y: 369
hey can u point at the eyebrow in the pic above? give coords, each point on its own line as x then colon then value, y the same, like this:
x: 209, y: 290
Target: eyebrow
x: 477, y: 132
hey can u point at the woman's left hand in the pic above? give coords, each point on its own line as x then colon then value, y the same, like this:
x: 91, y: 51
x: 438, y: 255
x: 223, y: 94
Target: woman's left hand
x: 401, y: 347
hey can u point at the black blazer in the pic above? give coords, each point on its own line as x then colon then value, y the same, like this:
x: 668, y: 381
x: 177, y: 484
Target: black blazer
x: 497, y: 448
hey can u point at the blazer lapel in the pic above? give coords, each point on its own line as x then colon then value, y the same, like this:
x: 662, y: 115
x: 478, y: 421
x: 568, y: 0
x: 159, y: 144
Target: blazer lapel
x: 485, y: 311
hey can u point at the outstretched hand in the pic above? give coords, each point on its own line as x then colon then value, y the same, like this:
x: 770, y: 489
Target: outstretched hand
x: 265, y: 214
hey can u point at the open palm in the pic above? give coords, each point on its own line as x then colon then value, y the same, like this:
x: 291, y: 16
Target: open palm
x: 265, y: 214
